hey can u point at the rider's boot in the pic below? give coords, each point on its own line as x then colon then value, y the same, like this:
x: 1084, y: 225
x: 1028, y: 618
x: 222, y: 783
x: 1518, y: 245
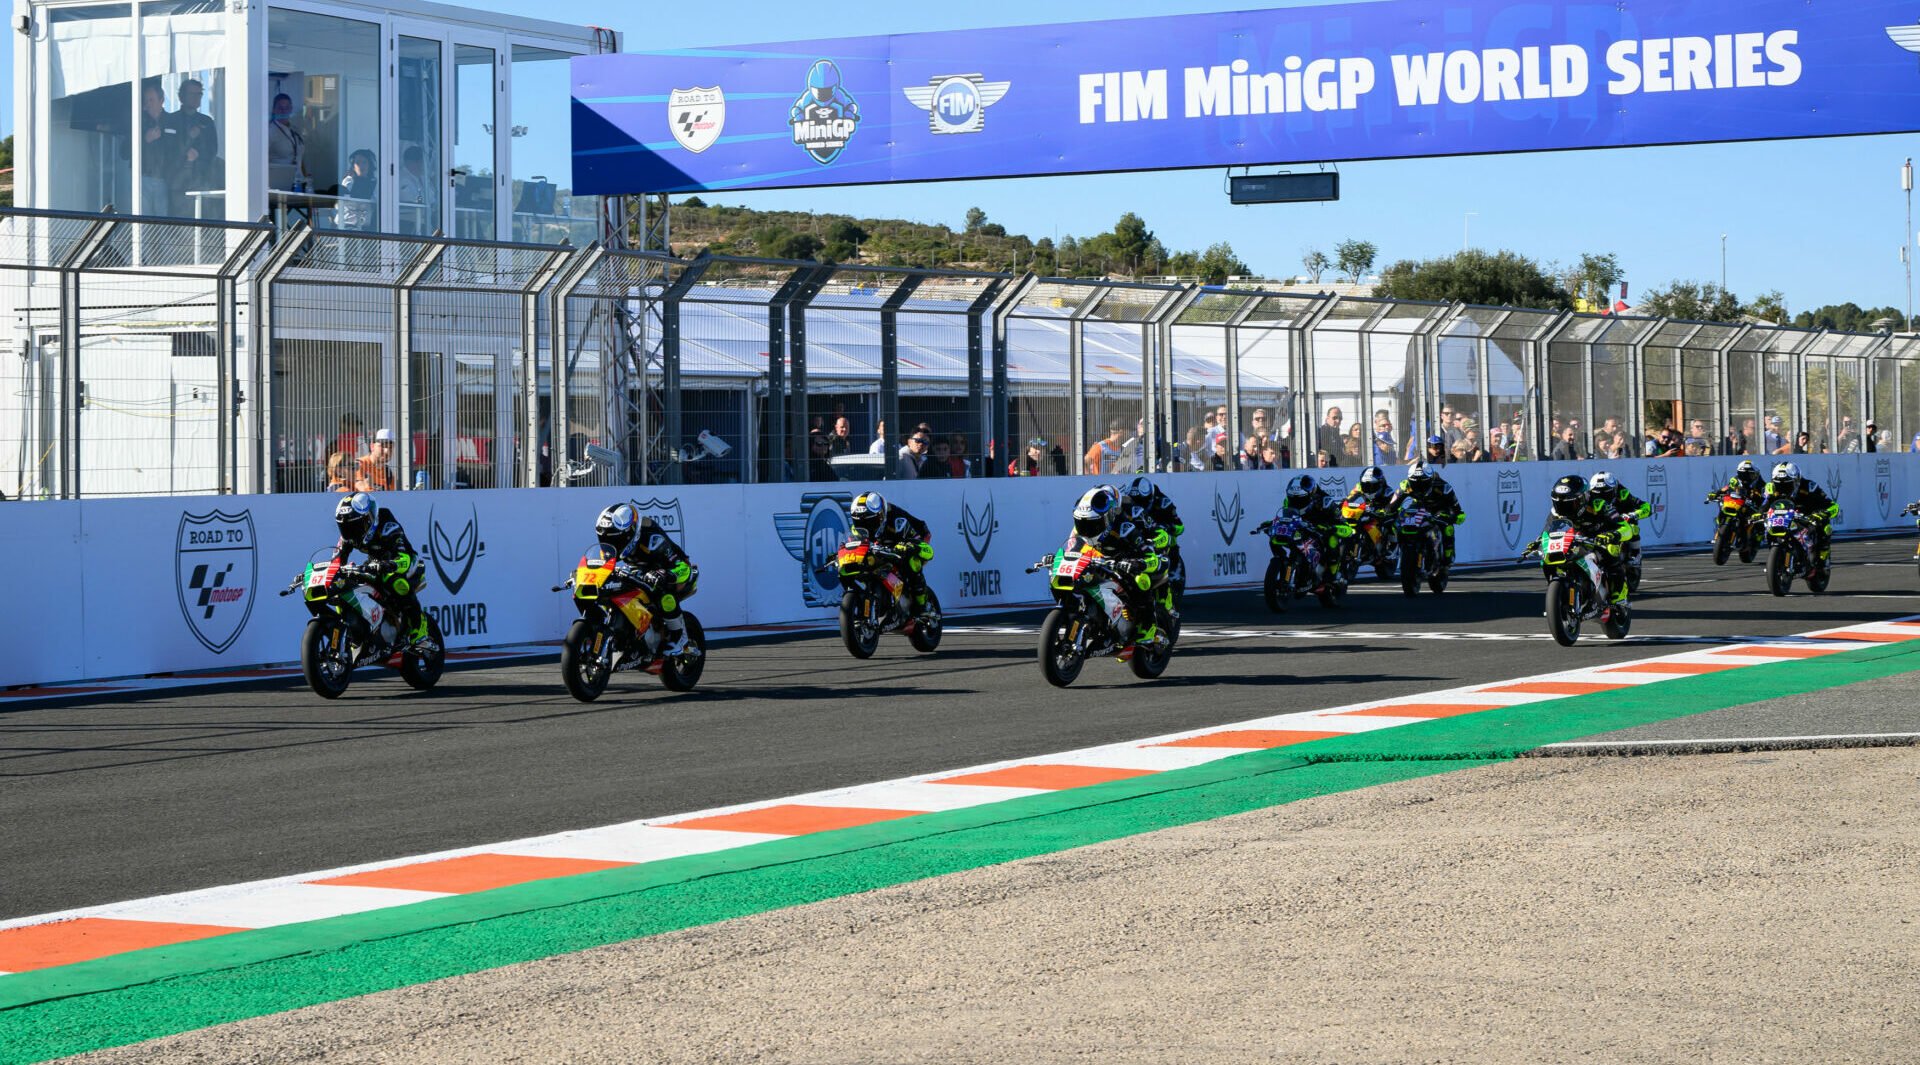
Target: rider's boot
x: 677, y: 644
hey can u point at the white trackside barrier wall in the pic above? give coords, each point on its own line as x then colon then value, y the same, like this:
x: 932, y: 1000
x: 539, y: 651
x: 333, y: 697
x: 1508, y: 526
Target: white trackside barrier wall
x: 115, y: 588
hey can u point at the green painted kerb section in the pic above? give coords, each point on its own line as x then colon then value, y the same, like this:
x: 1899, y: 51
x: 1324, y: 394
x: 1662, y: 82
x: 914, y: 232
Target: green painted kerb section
x: 145, y: 994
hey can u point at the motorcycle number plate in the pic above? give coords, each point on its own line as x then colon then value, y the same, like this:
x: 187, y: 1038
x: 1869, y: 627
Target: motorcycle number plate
x: 1778, y: 521
x: 591, y: 577
x: 1562, y: 543
x: 321, y: 576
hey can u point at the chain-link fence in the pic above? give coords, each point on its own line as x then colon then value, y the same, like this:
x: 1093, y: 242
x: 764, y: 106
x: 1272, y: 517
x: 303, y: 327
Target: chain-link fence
x: 157, y: 356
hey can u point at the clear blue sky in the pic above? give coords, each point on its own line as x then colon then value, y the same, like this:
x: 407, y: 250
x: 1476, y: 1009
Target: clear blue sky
x: 1822, y: 221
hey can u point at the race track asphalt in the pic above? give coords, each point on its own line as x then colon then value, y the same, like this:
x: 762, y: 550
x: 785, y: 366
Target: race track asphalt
x: 142, y: 795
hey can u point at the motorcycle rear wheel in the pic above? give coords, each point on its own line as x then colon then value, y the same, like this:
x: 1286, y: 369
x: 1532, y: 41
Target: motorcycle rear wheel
x: 1279, y: 585
x: 320, y: 660
x: 1059, y: 661
x: 1817, y: 582
x: 579, y: 667
x: 925, y: 636
x: 1722, y: 544
x: 1779, y: 575
x: 1563, y: 612
x: 1149, y: 666
x: 422, y: 672
x: 682, y: 672
x: 1410, y: 572
x: 1749, y: 546
x: 861, y: 639
x: 1619, y: 622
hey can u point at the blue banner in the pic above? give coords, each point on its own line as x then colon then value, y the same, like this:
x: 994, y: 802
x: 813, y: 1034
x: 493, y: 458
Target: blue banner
x: 1390, y: 79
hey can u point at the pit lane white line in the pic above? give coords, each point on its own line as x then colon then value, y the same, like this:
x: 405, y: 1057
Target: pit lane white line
x: 1354, y: 634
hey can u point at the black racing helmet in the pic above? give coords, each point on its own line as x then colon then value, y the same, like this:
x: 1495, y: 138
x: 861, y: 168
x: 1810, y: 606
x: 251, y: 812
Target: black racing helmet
x: 1300, y: 491
x: 1138, y: 490
x: 1419, y: 478
x: 869, y: 512
x: 355, y: 516
x: 1569, y: 496
x: 616, y: 525
x: 1096, y: 510
x: 1373, y: 481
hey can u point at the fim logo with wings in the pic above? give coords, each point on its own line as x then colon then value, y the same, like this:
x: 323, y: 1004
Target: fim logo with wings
x: 1907, y: 37
x: 813, y: 536
x: 956, y: 103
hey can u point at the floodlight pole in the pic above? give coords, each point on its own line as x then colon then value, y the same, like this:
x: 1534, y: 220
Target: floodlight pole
x: 1466, y: 232
x: 1906, y: 242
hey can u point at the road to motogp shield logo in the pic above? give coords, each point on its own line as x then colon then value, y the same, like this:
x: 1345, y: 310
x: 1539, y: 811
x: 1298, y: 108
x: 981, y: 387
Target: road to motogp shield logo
x: 978, y: 528
x: 1883, y: 487
x: 813, y: 537
x: 454, y: 546
x: 1658, y: 498
x: 697, y: 116
x: 666, y: 513
x: 1227, y: 514
x: 825, y: 116
x: 214, y: 566
x: 1513, y: 502
x: 956, y: 103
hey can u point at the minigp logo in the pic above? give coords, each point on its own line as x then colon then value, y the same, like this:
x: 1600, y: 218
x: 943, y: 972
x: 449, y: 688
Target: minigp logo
x: 813, y: 537
x: 214, y: 565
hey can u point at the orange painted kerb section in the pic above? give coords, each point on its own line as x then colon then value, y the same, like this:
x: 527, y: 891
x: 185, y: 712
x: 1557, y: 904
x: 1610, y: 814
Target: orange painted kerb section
x: 1764, y: 651
x: 1869, y: 637
x: 794, y: 819
x: 43, y: 946
x: 1422, y: 710
x: 1682, y: 668
x: 1252, y: 739
x: 1045, y: 777
x: 474, y: 872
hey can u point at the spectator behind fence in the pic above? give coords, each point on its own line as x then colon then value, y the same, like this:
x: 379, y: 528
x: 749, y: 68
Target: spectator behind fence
x: 375, y: 473
x: 200, y: 168
x: 1385, y: 447
x: 1194, y: 452
x: 1775, y: 439
x: 1802, y: 443
x: 1848, y: 441
x: 879, y: 445
x: 1327, y: 436
x: 937, y: 467
x: 1435, y: 453
x: 959, y: 466
x: 1323, y: 459
x: 1734, y: 443
x: 340, y: 472
x: 820, y: 458
x: 1035, y: 463
x: 841, y: 439
x: 913, y: 455
x: 1207, y: 427
x: 1870, y: 440
x: 1353, y: 446
x: 1260, y: 425
x: 1133, y: 451
x: 1219, y: 460
x: 1272, y: 454
x: 358, y: 208
x: 286, y: 147
x: 1564, y: 448
x: 1474, y: 452
x: 159, y: 155
x: 1696, y: 436
x: 1104, y: 455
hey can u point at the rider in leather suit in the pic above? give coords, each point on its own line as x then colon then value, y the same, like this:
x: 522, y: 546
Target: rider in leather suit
x: 371, y: 529
x: 651, y: 559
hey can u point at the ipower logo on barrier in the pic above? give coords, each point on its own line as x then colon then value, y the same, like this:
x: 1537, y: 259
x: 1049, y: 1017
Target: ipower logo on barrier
x: 1226, y: 518
x: 454, y: 545
x: 813, y: 536
x: 214, y: 566
x: 978, y: 527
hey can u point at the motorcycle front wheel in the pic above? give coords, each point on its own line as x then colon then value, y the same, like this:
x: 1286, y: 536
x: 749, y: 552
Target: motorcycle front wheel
x: 1563, y: 611
x: 859, y: 633
x: 925, y: 636
x: 681, y: 672
x: 422, y: 671
x: 1060, y: 660
x: 580, y: 667
x: 1722, y: 544
x: 1817, y: 582
x: 1410, y: 572
x: 1779, y: 573
x: 1279, y: 585
x: 323, y: 658
x: 1749, y: 546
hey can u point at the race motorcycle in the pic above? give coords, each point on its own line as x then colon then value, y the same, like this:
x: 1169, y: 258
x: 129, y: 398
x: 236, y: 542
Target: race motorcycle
x: 352, y: 627
x: 1373, y: 543
x: 875, y: 600
x: 615, y: 632
x: 1912, y: 509
x: 1737, y: 527
x: 1423, y: 552
x: 1297, y: 569
x: 1092, y: 619
x: 1576, y: 584
x: 1793, y: 554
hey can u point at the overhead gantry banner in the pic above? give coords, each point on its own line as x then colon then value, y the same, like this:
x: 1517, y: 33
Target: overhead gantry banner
x: 1389, y: 79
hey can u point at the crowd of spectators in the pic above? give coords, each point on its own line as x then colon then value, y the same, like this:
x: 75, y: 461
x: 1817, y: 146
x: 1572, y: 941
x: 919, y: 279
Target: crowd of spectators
x: 1745, y: 436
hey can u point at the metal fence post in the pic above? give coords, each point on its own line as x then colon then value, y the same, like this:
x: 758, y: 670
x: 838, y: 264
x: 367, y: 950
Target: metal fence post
x: 560, y: 357
x: 410, y: 276
x: 1002, y: 387
x: 671, y: 404
x: 1160, y: 417
x: 1076, y: 371
x: 1305, y: 386
x: 890, y: 370
x: 527, y: 433
x: 797, y: 362
x: 776, y: 406
x: 227, y: 357
x: 977, y: 399
x: 280, y: 259
x: 1231, y: 358
x: 72, y: 389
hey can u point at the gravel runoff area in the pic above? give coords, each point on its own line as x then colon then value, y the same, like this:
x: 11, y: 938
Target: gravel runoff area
x: 1724, y: 907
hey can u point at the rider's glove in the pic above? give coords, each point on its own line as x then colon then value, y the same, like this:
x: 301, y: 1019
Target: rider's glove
x: 926, y: 552
x: 625, y: 571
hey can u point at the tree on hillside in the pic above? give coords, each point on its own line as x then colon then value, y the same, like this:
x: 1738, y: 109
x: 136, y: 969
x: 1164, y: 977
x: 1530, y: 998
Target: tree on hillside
x: 1848, y: 318
x: 779, y: 242
x: 1316, y: 262
x: 975, y: 219
x: 1500, y: 279
x: 1694, y: 301
x: 1127, y: 245
x: 1212, y: 266
x: 1595, y: 277
x: 843, y: 240
x: 1769, y: 307
x: 693, y: 201
x: 1355, y: 258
